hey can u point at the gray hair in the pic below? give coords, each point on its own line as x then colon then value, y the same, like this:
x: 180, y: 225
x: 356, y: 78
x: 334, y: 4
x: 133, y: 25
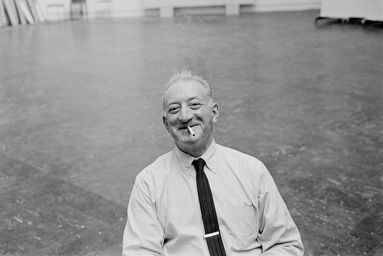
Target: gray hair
x: 186, y: 75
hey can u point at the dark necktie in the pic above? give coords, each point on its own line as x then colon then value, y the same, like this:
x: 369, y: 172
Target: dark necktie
x: 209, y: 215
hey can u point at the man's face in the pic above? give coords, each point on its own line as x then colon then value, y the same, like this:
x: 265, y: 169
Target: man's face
x: 187, y: 104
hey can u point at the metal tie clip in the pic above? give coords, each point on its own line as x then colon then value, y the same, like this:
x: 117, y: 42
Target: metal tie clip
x: 211, y: 234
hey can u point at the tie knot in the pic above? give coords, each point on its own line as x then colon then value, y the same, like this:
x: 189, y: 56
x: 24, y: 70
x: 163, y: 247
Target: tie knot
x: 199, y: 164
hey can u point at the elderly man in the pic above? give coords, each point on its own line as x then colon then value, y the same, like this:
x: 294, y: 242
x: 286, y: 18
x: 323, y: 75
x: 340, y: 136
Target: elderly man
x: 203, y: 198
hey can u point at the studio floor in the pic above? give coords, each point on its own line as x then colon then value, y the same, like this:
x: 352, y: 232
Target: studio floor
x: 80, y: 116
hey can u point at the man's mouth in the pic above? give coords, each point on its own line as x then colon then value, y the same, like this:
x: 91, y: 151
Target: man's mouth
x: 185, y: 127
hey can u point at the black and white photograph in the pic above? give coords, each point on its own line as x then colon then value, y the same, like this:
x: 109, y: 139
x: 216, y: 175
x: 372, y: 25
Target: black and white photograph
x: 191, y: 127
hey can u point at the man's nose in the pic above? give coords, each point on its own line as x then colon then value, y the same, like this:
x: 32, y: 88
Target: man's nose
x: 185, y: 115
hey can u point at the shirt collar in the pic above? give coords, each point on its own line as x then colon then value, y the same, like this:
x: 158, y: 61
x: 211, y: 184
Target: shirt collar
x: 186, y: 160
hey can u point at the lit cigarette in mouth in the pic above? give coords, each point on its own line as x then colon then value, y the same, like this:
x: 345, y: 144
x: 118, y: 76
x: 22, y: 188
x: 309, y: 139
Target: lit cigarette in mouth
x: 191, y: 131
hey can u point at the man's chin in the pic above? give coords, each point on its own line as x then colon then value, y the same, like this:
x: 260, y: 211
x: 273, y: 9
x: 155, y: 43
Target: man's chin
x: 189, y: 139
x: 188, y: 145
x: 184, y: 136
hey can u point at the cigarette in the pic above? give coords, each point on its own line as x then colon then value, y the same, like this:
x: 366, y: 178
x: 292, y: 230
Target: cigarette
x: 191, y: 131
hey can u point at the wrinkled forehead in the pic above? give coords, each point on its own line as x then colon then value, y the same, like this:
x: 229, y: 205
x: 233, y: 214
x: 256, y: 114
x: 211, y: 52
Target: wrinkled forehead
x: 185, y: 89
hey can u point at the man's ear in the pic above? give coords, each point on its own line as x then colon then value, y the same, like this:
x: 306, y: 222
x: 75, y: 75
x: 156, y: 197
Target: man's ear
x: 165, y: 121
x: 215, y: 112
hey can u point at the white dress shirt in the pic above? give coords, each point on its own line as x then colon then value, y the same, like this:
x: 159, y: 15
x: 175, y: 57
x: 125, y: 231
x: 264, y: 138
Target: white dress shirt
x: 164, y: 216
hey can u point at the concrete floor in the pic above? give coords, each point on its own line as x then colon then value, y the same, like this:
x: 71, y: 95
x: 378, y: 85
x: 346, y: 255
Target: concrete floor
x: 80, y: 116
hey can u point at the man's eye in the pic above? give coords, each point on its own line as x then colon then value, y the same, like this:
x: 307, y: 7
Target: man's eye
x: 173, y: 110
x: 195, y: 105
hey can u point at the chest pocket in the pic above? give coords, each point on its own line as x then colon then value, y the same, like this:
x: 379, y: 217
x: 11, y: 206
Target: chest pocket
x: 240, y: 224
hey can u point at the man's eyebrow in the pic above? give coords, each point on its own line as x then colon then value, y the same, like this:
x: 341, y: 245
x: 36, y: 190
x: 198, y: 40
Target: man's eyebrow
x: 194, y: 98
x: 168, y: 103
x: 188, y: 100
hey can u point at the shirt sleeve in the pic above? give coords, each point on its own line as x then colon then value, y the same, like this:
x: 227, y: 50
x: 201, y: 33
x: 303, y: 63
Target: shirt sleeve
x: 278, y: 233
x: 143, y: 234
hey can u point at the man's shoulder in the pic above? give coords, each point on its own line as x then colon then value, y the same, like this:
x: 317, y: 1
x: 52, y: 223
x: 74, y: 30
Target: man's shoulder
x: 162, y: 160
x: 241, y: 162
x: 240, y: 156
x: 158, y: 167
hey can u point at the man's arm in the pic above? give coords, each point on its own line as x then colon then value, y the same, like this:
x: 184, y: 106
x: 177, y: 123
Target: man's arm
x: 143, y: 233
x: 278, y: 233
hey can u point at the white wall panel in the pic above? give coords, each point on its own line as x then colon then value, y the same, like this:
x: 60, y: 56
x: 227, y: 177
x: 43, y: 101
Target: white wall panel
x: 285, y: 5
x: 134, y: 8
